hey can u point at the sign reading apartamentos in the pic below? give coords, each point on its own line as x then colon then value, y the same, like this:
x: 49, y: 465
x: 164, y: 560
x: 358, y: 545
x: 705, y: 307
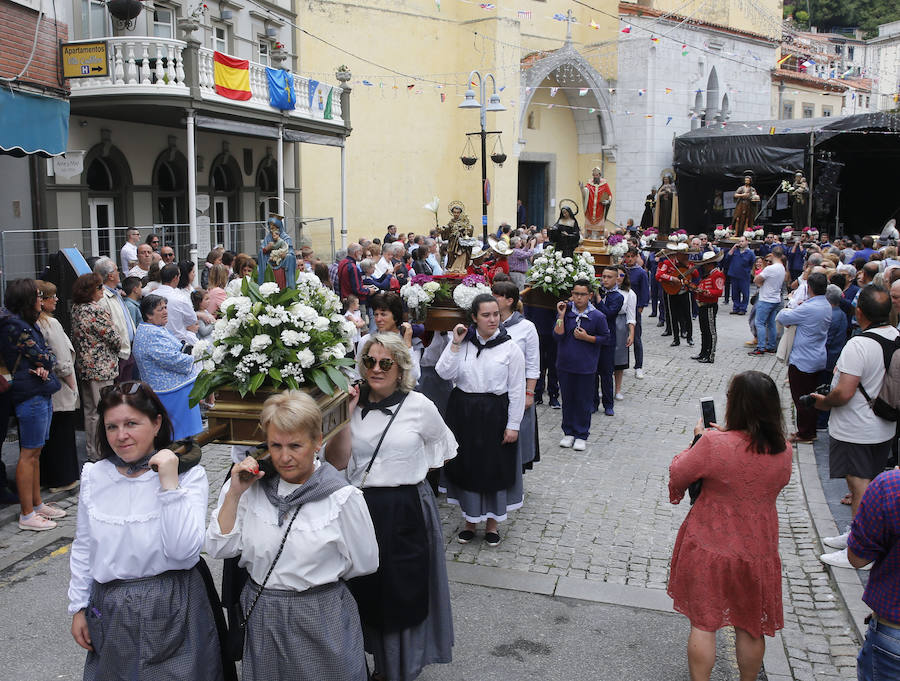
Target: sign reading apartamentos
x: 84, y: 60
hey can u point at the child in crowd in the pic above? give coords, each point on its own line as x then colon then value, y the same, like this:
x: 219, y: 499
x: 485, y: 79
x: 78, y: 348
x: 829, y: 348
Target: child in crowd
x: 205, y: 321
x: 352, y: 314
x: 133, y: 294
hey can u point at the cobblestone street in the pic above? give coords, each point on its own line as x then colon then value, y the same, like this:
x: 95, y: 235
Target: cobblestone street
x: 596, y: 525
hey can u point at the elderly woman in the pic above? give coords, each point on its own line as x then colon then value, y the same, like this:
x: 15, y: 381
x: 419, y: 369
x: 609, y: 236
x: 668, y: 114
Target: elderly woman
x: 725, y: 565
x: 97, y: 345
x: 59, y: 460
x: 395, y: 437
x: 165, y: 368
x: 137, y: 596
x: 301, y: 530
x: 485, y: 414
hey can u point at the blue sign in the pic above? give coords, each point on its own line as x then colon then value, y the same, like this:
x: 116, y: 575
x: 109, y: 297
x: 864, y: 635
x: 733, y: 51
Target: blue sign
x: 484, y: 220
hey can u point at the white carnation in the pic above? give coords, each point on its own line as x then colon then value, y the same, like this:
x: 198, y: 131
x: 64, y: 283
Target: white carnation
x: 321, y: 323
x: 218, y: 354
x: 268, y: 288
x: 200, y: 348
x: 260, y: 342
x: 306, y: 358
x: 290, y: 338
x: 209, y: 365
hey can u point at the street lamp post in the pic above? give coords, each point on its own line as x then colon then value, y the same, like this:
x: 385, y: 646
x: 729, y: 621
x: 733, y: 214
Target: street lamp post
x: 492, y: 105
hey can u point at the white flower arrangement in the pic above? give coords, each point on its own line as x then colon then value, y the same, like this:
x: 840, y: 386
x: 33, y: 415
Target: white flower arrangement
x: 464, y: 295
x: 724, y: 233
x: 618, y: 250
x: 756, y: 233
x: 275, y: 338
x: 418, y: 295
x: 556, y: 274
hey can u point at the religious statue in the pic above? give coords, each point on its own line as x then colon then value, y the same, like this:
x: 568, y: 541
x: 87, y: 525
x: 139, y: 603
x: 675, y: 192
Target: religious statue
x: 799, y: 193
x: 596, y: 196
x: 277, y: 251
x: 458, y: 233
x: 746, y: 205
x: 649, y: 205
x: 665, y: 219
x: 565, y: 235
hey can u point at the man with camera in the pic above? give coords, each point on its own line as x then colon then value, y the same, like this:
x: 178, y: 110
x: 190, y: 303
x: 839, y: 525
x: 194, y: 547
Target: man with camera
x: 859, y: 441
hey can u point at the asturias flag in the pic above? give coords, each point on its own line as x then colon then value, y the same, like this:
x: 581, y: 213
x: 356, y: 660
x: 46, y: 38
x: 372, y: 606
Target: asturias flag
x: 281, y: 89
x: 320, y: 96
x: 231, y: 76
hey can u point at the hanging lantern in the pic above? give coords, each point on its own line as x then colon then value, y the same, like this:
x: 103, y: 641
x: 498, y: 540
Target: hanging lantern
x: 498, y: 156
x: 468, y: 157
x: 125, y: 11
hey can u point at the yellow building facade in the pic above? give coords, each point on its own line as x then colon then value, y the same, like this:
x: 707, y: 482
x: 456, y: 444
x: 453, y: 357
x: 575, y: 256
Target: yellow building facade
x: 409, y: 132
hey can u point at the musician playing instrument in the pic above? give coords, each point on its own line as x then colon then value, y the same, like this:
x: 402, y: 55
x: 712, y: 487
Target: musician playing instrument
x: 673, y: 274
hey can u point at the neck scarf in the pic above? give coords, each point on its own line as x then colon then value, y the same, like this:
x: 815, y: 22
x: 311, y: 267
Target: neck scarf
x: 135, y: 466
x: 324, y: 481
x: 512, y: 320
x: 367, y: 405
x: 501, y: 337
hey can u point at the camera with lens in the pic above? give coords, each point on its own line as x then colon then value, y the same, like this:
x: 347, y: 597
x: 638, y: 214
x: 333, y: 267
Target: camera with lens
x: 809, y: 401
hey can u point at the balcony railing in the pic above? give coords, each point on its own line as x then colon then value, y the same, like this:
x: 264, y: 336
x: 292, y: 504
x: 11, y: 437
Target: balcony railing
x: 145, y: 64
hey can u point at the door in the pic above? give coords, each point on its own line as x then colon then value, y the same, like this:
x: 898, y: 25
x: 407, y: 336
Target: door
x: 533, y: 192
x: 221, y: 234
x: 103, y: 233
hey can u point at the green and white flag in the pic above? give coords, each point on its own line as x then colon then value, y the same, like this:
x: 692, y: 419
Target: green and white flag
x: 320, y: 95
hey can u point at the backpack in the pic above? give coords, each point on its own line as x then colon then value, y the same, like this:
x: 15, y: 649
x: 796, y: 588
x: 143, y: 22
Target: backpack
x: 886, y: 404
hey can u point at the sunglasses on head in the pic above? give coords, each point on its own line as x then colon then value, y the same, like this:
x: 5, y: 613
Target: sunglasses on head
x: 385, y: 363
x: 126, y: 388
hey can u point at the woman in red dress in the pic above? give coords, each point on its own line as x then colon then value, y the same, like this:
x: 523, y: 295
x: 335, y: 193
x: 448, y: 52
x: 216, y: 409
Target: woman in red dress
x: 725, y: 565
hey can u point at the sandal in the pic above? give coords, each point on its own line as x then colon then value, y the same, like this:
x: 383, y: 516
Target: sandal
x: 847, y: 499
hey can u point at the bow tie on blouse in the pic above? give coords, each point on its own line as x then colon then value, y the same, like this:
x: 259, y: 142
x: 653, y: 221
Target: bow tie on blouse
x: 501, y: 337
x: 141, y: 464
x: 381, y: 405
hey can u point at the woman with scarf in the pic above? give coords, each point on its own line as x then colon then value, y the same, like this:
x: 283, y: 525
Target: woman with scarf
x: 395, y: 437
x: 277, y: 250
x: 525, y: 334
x: 137, y: 594
x: 485, y: 414
x: 301, y: 530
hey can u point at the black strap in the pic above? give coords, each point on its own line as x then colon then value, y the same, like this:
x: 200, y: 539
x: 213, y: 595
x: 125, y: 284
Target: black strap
x: 888, y: 346
x: 381, y: 439
x: 246, y: 618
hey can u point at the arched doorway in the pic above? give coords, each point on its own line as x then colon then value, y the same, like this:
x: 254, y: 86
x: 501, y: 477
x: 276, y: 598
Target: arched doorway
x: 107, y: 176
x: 225, y: 184
x: 170, y: 200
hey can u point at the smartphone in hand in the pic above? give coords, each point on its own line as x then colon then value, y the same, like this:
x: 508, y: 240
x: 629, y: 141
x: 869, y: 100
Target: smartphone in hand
x: 708, y: 409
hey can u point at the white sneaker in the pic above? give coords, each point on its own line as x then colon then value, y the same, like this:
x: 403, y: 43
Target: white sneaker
x: 839, y: 559
x: 36, y: 522
x: 638, y: 373
x: 579, y: 445
x: 838, y: 542
x: 567, y: 441
x: 620, y: 396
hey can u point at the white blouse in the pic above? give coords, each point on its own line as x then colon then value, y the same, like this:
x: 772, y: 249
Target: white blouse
x: 331, y: 539
x: 417, y: 440
x: 629, y: 308
x: 525, y: 336
x: 129, y: 528
x: 500, y: 369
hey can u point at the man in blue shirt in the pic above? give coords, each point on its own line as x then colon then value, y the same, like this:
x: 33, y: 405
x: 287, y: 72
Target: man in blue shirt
x: 640, y: 284
x: 740, y: 268
x: 609, y: 302
x: 766, y: 247
x: 808, y: 356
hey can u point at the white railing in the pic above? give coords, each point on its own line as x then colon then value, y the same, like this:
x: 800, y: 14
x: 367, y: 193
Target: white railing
x: 142, y: 61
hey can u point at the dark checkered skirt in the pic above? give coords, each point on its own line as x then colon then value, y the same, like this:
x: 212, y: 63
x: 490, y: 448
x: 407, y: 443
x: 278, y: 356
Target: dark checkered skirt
x: 310, y: 635
x: 153, y: 628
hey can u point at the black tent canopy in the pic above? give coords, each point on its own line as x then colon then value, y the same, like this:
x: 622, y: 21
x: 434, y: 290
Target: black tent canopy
x: 856, y: 155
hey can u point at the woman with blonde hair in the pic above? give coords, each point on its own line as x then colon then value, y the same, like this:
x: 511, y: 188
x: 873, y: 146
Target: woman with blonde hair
x: 59, y: 461
x: 301, y: 530
x: 395, y: 437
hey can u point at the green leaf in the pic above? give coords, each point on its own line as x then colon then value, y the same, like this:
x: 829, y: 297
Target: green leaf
x: 322, y: 381
x: 344, y: 362
x: 337, y: 377
x: 269, y: 274
x: 292, y: 383
x: 256, y: 382
x: 275, y: 374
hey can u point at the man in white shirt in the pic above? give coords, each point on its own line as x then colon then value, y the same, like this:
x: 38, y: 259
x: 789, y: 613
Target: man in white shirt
x: 128, y: 254
x: 144, y: 261
x: 182, y: 319
x: 105, y: 268
x: 770, y: 282
x: 859, y: 441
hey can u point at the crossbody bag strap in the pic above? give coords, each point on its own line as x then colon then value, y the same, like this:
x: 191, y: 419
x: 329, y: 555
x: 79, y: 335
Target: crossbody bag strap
x: 381, y: 439
x: 246, y: 618
x: 878, y: 339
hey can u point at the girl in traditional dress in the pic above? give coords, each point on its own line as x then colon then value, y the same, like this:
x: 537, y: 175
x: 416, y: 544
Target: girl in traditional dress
x: 301, y: 621
x: 625, y: 323
x: 137, y: 597
x: 395, y: 437
x: 485, y: 414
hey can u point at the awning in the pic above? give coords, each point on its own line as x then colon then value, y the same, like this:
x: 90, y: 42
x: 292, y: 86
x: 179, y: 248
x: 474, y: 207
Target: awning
x: 236, y: 127
x: 33, y: 124
x: 313, y: 138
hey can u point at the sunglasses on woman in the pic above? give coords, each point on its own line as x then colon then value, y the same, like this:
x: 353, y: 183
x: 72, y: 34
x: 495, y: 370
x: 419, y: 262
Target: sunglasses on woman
x: 126, y: 388
x: 385, y: 363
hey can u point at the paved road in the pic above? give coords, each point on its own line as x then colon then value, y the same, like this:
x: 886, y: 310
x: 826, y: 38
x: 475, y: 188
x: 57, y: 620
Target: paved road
x: 577, y: 587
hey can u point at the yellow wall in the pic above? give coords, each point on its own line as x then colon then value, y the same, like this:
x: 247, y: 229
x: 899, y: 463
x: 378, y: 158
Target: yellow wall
x: 761, y: 16
x: 798, y: 95
x: 405, y: 144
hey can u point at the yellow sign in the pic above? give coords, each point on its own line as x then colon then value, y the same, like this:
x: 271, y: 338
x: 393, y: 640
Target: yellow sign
x: 84, y: 60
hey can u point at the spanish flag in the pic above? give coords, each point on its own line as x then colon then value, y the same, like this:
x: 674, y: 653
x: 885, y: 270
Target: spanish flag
x: 231, y: 76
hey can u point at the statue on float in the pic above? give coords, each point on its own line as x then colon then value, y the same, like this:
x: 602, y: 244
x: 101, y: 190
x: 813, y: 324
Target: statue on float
x: 596, y: 197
